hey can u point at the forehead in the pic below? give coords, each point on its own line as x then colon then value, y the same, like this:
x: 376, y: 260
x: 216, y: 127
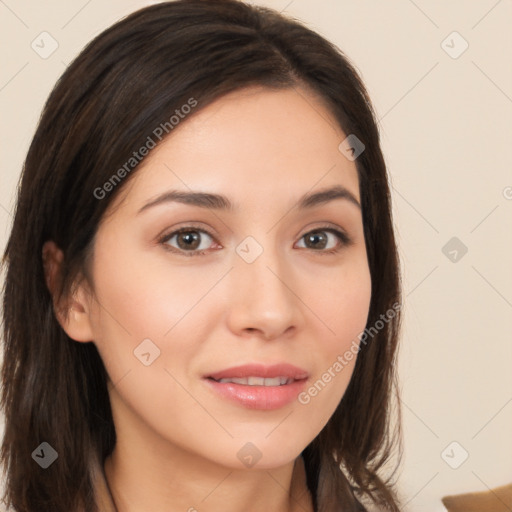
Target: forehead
x: 250, y: 143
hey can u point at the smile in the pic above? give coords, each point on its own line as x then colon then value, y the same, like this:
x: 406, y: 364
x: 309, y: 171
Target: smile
x: 259, y: 381
x: 258, y: 386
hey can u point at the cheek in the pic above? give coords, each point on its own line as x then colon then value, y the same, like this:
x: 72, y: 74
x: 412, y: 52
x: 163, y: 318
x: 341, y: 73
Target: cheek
x: 342, y: 305
x: 143, y: 299
x: 341, y: 302
x: 149, y: 327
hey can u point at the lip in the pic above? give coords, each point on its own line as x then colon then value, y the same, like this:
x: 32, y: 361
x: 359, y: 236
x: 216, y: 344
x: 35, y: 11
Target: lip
x: 259, y: 397
x: 261, y: 370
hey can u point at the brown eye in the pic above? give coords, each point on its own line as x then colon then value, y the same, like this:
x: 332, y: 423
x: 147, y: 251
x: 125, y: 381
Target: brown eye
x: 316, y: 240
x: 189, y: 240
x: 326, y: 240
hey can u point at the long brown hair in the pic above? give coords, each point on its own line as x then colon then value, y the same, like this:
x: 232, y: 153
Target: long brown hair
x: 125, y: 83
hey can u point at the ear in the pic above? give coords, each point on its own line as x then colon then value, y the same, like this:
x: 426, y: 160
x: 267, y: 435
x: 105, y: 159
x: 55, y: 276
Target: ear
x: 72, y: 313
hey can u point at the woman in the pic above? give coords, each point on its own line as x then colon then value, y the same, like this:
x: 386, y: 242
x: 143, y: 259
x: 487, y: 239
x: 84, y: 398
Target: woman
x: 201, y: 305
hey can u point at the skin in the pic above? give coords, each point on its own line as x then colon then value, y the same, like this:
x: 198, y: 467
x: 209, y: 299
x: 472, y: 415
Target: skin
x: 177, y: 441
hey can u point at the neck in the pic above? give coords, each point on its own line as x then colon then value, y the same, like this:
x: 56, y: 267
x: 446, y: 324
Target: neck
x: 148, y: 472
x: 196, y: 486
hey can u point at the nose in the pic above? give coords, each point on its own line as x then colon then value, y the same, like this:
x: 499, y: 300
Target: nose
x: 262, y: 298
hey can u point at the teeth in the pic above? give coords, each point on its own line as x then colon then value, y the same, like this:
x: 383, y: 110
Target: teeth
x: 259, y: 381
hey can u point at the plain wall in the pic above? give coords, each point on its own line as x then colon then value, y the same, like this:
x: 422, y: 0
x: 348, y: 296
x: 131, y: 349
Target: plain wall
x: 446, y: 126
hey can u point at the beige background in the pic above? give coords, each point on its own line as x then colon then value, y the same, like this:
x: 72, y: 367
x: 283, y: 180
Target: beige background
x: 446, y: 129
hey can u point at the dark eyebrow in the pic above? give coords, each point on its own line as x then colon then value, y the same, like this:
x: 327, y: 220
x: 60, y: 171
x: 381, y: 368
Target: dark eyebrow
x: 201, y: 199
x: 220, y: 202
x: 326, y: 195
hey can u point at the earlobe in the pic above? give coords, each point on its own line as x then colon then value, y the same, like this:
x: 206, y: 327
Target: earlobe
x: 75, y: 319
x: 72, y: 312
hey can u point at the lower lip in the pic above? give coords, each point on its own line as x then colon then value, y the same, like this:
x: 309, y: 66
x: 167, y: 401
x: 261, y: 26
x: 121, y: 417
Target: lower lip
x: 265, y: 398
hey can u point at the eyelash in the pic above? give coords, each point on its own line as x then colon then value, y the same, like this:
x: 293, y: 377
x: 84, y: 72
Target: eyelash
x: 344, y: 239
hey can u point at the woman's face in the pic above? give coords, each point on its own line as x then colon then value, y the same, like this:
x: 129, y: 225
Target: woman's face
x: 258, y: 278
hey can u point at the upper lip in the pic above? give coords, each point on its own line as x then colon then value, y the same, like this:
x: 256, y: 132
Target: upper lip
x: 261, y: 370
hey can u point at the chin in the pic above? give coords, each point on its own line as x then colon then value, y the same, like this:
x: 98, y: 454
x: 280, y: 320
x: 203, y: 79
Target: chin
x: 258, y: 455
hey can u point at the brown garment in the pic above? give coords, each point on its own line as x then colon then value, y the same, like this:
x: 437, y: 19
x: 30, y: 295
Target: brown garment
x: 494, y: 500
